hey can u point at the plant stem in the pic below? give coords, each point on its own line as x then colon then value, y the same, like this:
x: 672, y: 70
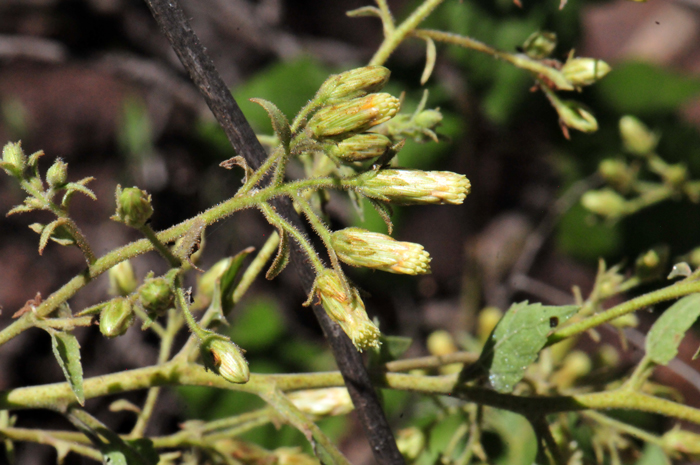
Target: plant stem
x: 139, y: 247
x: 166, y: 345
x: 298, y: 236
x: 520, y: 60
x: 162, y: 249
x: 400, y: 33
x: 671, y: 292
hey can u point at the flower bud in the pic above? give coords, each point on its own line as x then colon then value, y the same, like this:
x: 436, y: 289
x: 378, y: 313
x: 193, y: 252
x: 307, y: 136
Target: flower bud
x: 616, y: 173
x: 411, y: 442
x: 440, y: 343
x: 57, y: 174
x: 359, y: 247
x: 584, y: 71
x: 605, y: 202
x: 122, y: 280
x: 116, y: 317
x: 405, y: 187
x: 353, y: 116
x: 133, y: 206
x: 686, y: 442
x: 540, y: 44
x: 636, y: 136
x: 156, y: 296
x: 13, y: 159
x: 359, y: 147
x: 224, y: 358
x: 288, y: 456
x: 352, y: 84
x: 486, y: 321
x: 574, y: 115
x: 323, y: 402
x: 346, y: 310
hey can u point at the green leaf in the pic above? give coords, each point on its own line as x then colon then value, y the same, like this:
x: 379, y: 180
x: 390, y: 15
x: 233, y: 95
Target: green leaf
x: 280, y: 124
x: 515, y: 342
x: 282, y: 258
x: 228, y: 278
x: 67, y: 351
x: 667, y: 333
x: 653, y: 455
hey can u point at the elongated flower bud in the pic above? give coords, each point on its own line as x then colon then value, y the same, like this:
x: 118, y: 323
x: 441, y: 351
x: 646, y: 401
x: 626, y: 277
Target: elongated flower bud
x: 224, y: 358
x: 353, y: 116
x: 404, y: 186
x: 636, y: 136
x: 122, y: 280
x: 346, y: 310
x: 133, y: 206
x: 605, y: 202
x: 352, y: 84
x: 13, y: 158
x: 359, y: 147
x: 116, y: 317
x: 584, y: 71
x: 323, y: 402
x: 359, y: 247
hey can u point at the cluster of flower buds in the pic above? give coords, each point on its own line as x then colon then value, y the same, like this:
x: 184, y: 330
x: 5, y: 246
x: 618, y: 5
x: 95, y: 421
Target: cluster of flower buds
x: 350, y: 104
x: 359, y: 247
x: 346, y: 310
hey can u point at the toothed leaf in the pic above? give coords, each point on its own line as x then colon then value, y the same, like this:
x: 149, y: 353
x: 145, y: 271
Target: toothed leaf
x: 279, y: 122
x: 282, y: 258
x: 667, y: 332
x: 67, y: 351
x: 516, y: 341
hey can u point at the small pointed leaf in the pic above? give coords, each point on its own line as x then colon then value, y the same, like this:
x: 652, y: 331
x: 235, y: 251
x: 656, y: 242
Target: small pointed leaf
x: 280, y: 124
x: 516, y: 341
x: 364, y: 11
x: 46, y: 234
x: 228, y: 279
x: 282, y: 258
x: 20, y: 209
x: 67, y: 351
x: 384, y: 211
x: 667, y: 332
x: 238, y: 161
x: 430, y: 57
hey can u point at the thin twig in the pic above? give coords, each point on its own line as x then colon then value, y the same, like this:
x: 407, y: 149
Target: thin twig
x: 174, y: 24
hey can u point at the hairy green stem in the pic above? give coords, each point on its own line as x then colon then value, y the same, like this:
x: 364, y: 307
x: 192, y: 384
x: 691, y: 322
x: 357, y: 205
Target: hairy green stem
x: 139, y: 247
x: 520, y: 60
x: 275, y: 219
x: 178, y: 374
x: 166, y: 345
x: 162, y: 249
x: 671, y: 292
x: 402, y: 31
